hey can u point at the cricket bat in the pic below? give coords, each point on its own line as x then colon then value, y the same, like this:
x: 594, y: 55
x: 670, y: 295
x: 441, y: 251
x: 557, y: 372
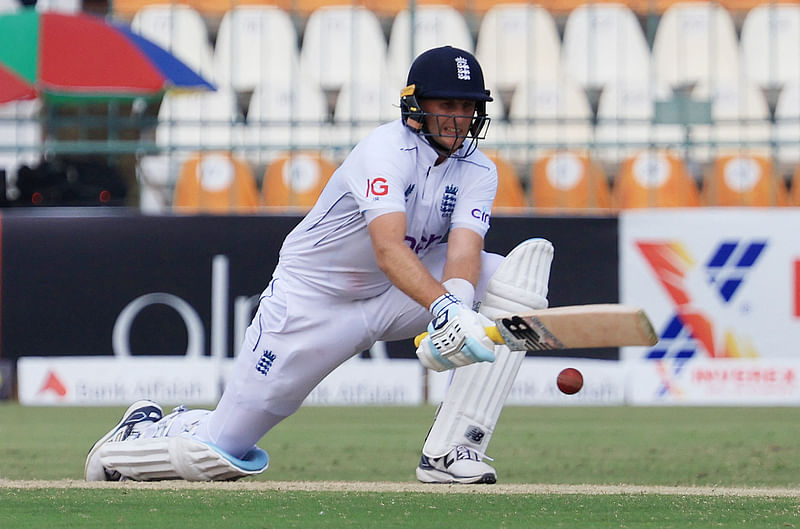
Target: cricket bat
x: 572, y: 327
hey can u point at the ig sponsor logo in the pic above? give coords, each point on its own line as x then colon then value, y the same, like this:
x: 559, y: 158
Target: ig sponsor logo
x: 376, y: 187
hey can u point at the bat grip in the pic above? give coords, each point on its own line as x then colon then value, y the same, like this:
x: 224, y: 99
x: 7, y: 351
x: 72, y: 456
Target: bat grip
x: 491, y: 332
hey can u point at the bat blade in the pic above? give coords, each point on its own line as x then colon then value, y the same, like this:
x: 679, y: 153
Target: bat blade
x: 576, y: 327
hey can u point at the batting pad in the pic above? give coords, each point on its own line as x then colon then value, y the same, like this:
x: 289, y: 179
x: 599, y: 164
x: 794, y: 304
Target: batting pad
x: 179, y: 458
x: 476, y: 395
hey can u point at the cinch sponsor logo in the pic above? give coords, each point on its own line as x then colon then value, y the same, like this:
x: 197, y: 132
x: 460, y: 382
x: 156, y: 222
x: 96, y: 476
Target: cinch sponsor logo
x: 691, y: 331
x: 376, y: 187
x: 482, y: 215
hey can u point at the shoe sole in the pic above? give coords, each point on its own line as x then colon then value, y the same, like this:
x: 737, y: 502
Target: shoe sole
x: 437, y: 476
x: 133, y: 407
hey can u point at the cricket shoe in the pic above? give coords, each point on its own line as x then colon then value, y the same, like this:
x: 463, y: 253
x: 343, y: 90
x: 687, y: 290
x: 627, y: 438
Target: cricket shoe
x: 138, y: 416
x: 460, y: 465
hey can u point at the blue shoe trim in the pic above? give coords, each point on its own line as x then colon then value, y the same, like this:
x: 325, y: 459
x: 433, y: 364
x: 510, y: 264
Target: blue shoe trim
x: 255, y: 460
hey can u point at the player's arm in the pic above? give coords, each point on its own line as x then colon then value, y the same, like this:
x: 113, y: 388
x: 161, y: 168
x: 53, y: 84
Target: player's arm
x: 456, y: 334
x: 400, y: 264
x: 463, y: 263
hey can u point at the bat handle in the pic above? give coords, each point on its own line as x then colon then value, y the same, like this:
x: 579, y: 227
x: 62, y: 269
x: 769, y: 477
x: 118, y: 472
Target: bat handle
x: 491, y: 332
x: 494, y: 334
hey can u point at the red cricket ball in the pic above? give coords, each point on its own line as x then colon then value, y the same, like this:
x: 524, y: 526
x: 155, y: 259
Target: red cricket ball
x: 570, y: 381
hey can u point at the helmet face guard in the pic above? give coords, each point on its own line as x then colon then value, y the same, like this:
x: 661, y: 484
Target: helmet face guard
x: 445, y: 73
x: 414, y: 118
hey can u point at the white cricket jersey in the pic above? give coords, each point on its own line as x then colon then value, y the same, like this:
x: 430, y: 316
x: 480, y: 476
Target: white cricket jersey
x: 390, y: 170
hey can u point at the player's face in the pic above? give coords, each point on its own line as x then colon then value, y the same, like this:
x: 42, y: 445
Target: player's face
x: 448, y: 120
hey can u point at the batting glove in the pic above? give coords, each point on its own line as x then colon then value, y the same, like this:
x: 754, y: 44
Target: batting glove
x: 456, y: 336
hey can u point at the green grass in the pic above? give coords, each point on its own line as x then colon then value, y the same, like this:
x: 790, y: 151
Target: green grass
x: 711, y: 447
x: 743, y: 447
x: 211, y: 510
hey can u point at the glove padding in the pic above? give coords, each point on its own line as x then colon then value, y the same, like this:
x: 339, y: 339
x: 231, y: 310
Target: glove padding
x: 456, y: 336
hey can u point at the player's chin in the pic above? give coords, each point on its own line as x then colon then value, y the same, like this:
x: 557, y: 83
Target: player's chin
x: 452, y: 143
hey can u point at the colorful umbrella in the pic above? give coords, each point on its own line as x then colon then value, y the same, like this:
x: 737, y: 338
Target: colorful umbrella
x: 76, y: 56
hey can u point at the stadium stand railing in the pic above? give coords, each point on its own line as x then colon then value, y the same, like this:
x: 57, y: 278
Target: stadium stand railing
x: 601, y: 81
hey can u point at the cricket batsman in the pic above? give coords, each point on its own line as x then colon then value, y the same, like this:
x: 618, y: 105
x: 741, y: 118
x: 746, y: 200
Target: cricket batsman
x: 392, y: 248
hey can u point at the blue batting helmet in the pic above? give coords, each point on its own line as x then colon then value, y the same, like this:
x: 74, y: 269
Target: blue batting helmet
x: 445, y: 73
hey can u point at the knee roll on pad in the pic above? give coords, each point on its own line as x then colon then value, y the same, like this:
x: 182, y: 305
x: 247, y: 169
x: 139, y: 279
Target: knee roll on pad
x: 477, y: 393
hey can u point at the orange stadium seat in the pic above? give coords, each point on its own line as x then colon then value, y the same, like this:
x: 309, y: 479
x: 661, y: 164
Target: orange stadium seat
x: 216, y: 9
x: 562, y: 7
x: 510, y: 193
x: 795, y: 191
x: 568, y: 180
x: 295, y: 180
x: 742, y: 6
x: 743, y: 180
x: 126, y: 9
x: 215, y: 182
x: 390, y: 8
x: 655, y: 178
x: 306, y: 7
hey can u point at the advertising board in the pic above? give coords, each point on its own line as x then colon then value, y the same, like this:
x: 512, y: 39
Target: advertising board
x: 722, y: 287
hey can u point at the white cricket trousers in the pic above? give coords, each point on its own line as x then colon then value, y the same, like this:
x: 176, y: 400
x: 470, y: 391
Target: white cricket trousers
x: 296, y: 338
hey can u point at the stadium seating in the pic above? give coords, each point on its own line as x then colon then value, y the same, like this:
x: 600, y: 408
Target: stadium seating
x: 342, y: 44
x: 323, y: 73
x: 510, y: 196
x: 742, y: 7
x: 562, y: 8
x: 695, y: 43
x: 795, y: 187
x: 549, y: 115
x: 21, y: 134
x: 8, y: 6
x: 294, y: 181
x: 179, y: 29
x: 254, y: 45
x: 285, y: 114
x: 390, y: 8
x: 743, y: 180
x: 769, y: 43
x: 568, y: 181
x: 156, y: 175
x: 215, y: 182
x: 211, y: 9
x: 192, y: 121
x: 655, y: 178
x: 604, y: 44
x: 360, y: 107
x: 187, y: 122
x: 517, y: 43
x: 787, y: 125
x: 61, y: 6
x: 434, y: 25
x: 625, y: 123
x: 740, y: 120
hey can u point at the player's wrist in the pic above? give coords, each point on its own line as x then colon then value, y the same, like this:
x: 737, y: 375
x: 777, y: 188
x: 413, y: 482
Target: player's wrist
x: 462, y: 289
x: 442, y: 303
